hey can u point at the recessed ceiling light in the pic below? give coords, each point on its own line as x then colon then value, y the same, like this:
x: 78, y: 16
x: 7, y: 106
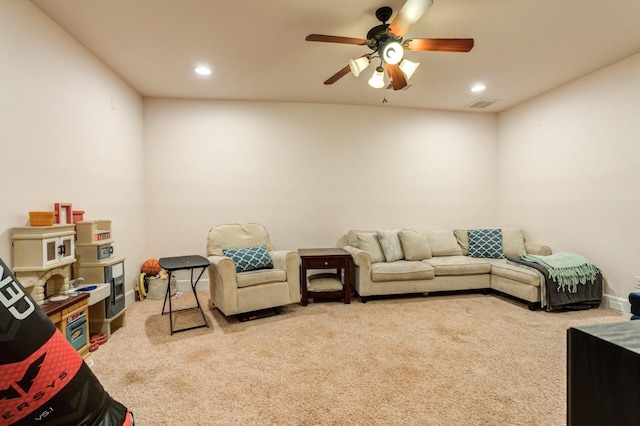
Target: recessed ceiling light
x: 203, y: 70
x: 478, y: 87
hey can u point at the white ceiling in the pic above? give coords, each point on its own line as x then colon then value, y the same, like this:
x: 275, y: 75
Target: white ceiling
x: 257, y: 48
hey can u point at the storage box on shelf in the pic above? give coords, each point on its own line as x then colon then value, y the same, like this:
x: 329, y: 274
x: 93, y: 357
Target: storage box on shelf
x: 97, y: 264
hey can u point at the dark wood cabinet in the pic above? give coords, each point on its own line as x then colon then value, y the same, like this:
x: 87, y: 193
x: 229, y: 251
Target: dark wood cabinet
x: 325, y: 258
x: 603, y: 374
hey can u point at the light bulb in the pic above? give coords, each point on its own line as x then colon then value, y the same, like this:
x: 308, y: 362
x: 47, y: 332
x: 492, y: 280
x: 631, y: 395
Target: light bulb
x: 203, y: 70
x: 392, y: 53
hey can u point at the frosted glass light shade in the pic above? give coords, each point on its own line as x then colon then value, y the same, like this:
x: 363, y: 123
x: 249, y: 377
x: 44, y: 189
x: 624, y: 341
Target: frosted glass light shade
x: 358, y: 65
x: 392, y: 53
x: 408, y: 67
x: 377, y: 79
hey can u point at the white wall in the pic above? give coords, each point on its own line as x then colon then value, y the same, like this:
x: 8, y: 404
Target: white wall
x: 565, y: 165
x: 70, y: 131
x: 569, y: 170
x: 309, y: 172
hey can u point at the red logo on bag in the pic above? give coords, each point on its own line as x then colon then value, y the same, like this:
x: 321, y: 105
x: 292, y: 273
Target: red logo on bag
x: 27, y: 385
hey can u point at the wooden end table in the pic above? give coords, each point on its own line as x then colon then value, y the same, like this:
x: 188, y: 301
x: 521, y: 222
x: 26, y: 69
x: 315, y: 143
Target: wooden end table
x: 325, y: 258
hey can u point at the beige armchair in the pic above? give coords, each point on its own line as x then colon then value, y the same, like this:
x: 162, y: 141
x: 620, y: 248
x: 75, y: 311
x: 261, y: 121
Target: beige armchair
x: 235, y: 292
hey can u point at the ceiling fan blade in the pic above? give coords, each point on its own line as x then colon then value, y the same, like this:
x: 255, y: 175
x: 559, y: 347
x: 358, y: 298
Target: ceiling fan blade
x: 397, y: 76
x: 335, y: 39
x: 409, y: 14
x: 440, y: 44
x: 337, y: 76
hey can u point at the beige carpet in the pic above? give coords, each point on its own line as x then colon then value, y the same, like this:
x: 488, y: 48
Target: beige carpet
x: 464, y: 359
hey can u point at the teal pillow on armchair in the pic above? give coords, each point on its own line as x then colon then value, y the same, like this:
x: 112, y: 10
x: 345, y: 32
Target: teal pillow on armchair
x: 249, y: 259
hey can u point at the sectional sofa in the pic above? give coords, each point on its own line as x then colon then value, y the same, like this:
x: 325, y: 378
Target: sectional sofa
x: 403, y: 261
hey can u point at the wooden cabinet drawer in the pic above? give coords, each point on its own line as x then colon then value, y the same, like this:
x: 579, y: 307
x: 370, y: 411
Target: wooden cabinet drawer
x: 325, y: 263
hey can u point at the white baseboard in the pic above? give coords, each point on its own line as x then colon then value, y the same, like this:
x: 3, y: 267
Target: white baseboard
x: 185, y: 285
x: 182, y: 285
x: 610, y: 302
x: 129, y: 297
x: 616, y: 303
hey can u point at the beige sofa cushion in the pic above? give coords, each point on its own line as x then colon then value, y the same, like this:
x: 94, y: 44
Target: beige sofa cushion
x: 414, y: 244
x: 369, y: 243
x: 501, y: 268
x: 402, y: 270
x: 459, y: 265
x: 513, y: 242
x: 261, y: 276
x: 324, y: 282
x: 352, y: 236
x: 443, y: 243
x: 390, y: 244
x: 462, y: 237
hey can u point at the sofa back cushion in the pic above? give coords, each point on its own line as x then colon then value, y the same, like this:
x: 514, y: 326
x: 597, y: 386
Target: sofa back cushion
x: 414, y: 244
x: 462, y: 237
x: 369, y: 242
x: 390, y: 244
x: 442, y: 242
x: 513, y: 242
x: 236, y: 236
x: 352, y: 236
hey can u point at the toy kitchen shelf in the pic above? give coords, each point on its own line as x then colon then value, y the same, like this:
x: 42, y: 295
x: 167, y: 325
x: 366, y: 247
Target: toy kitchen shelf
x: 97, y: 264
x: 93, y: 240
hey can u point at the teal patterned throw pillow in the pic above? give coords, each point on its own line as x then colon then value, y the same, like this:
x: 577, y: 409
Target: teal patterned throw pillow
x: 251, y: 258
x: 486, y: 243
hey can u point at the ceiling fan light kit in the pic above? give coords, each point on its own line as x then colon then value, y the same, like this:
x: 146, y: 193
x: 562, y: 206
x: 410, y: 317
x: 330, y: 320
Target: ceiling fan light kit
x: 392, y: 52
x: 408, y: 67
x: 386, y: 42
x: 377, y: 79
x: 359, y: 65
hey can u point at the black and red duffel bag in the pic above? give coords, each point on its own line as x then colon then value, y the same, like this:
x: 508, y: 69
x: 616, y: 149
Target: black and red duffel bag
x: 43, y: 379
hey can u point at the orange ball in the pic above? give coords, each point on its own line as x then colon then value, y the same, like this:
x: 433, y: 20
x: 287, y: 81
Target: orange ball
x: 151, y: 267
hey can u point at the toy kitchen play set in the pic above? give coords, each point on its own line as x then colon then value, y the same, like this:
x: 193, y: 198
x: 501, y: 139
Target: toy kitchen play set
x: 78, y: 283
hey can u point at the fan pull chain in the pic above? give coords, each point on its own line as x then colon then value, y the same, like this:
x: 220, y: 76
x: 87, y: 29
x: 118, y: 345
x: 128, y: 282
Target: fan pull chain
x: 384, y: 100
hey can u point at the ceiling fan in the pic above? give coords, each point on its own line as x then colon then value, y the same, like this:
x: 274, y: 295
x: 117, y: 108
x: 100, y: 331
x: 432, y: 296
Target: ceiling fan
x: 386, y: 43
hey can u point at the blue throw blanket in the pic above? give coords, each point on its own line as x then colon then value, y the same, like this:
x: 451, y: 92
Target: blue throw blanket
x: 567, y: 269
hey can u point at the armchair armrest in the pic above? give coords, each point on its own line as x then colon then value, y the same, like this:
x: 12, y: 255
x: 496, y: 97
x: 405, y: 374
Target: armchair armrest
x: 223, y: 283
x: 289, y: 261
x: 284, y: 259
x: 537, y: 249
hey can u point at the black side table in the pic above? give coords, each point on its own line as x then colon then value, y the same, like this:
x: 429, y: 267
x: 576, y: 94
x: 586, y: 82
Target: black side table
x: 179, y: 263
